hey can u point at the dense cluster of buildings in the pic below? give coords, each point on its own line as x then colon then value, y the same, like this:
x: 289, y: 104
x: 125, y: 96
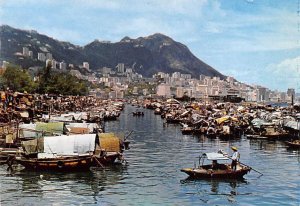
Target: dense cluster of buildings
x: 180, y: 85
x: 118, y: 82
x: 183, y: 85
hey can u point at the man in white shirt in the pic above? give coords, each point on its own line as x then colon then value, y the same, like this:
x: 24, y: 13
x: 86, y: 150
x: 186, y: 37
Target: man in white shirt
x: 235, y: 158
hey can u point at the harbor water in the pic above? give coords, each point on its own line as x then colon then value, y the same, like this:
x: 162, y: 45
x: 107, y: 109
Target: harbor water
x: 152, y: 175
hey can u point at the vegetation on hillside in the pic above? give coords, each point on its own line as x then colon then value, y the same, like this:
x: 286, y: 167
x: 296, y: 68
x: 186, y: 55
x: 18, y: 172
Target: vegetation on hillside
x: 18, y: 79
x: 47, y: 81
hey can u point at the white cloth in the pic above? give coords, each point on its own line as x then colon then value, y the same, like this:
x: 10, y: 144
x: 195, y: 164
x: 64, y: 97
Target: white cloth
x: 69, y: 145
x: 63, y: 118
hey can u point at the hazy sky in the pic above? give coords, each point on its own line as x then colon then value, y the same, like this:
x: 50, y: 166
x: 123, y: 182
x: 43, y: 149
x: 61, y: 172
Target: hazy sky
x: 256, y: 41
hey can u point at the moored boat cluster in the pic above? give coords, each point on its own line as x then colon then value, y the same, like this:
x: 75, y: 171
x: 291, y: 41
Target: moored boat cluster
x: 230, y: 120
x: 64, y: 133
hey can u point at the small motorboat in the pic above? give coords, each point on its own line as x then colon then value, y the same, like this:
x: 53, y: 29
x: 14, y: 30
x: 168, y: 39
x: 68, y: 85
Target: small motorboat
x: 216, y: 170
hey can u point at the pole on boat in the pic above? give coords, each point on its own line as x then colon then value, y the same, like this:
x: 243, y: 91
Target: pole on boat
x: 251, y: 168
x: 98, y: 162
x: 128, y: 134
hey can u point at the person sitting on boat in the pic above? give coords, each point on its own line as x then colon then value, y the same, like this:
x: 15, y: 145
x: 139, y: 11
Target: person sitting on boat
x: 215, y: 165
x: 235, y: 158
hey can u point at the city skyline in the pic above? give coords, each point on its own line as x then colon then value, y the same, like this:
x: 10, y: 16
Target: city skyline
x: 257, y: 42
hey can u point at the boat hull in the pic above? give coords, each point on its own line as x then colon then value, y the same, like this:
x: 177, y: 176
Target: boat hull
x: 187, y: 131
x: 108, y: 159
x: 57, y: 164
x: 200, y: 173
x: 293, y: 144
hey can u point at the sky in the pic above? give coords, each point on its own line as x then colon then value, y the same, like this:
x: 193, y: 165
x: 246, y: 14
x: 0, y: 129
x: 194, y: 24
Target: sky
x: 255, y: 41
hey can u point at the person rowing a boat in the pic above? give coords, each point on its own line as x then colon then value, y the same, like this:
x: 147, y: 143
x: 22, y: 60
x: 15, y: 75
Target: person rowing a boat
x: 235, y: 158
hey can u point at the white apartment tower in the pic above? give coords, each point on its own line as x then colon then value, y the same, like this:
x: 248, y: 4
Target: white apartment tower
x: 41, y: 57
x: 53, y: 64
x: 62, y: 66
x: 86, y: 65
x: 25, y: 51
x: 30, y: 54
x: 120, y: 68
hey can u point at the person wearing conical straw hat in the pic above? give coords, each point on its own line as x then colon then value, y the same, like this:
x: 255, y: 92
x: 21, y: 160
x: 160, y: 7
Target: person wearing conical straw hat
x: 235, y: 157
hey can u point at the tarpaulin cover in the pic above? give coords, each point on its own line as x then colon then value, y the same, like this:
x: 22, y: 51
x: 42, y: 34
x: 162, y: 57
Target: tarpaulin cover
x: 215, y: 156
x: 27, y: 131
x: 63, y: 118
x: 258, y: 122
x: 9, y: 138
x: 33, y: 146
x: 78, y: 115
x: 78, y: 130
x: 89, y: 126
x: 24, y: 114
x: 292, y: 124
x: 225, y: 118
x: 50, y: 127
x: 69, y: 145
x: 109, y: 142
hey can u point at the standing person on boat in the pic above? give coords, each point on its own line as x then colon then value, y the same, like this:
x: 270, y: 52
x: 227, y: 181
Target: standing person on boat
x: 235, y: 158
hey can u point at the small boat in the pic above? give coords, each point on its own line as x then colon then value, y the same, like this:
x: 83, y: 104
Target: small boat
x: 293, y: 144
x: 63, y: 164
x: 255, y: 136
x: 138, y: 113
x: 57, y: 153
x: 108, y: 159
x: 157, y: 111
x: 273, y: 133
x: 216, y: 170
x: 186, y: 129
x: 110, y: 147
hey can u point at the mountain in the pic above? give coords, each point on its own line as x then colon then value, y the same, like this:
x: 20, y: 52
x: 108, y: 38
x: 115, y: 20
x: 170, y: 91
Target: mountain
x: 146, y: 55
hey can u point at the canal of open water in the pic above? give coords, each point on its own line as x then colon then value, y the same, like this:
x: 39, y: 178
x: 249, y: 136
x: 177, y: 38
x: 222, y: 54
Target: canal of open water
x: 152, y: 175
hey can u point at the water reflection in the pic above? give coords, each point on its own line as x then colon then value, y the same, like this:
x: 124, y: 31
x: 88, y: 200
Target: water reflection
x: 95, y: 177
x: 214, y: 190
x: 43, y: 185
x: 102, y: 178
x: 294, y: 152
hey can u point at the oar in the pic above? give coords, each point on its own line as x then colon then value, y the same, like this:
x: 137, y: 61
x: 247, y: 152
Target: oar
x: 245, y: 165
x: 9, y: 162
x: 251, y: 168
x: 98, y: 162
x: 128, y: 135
